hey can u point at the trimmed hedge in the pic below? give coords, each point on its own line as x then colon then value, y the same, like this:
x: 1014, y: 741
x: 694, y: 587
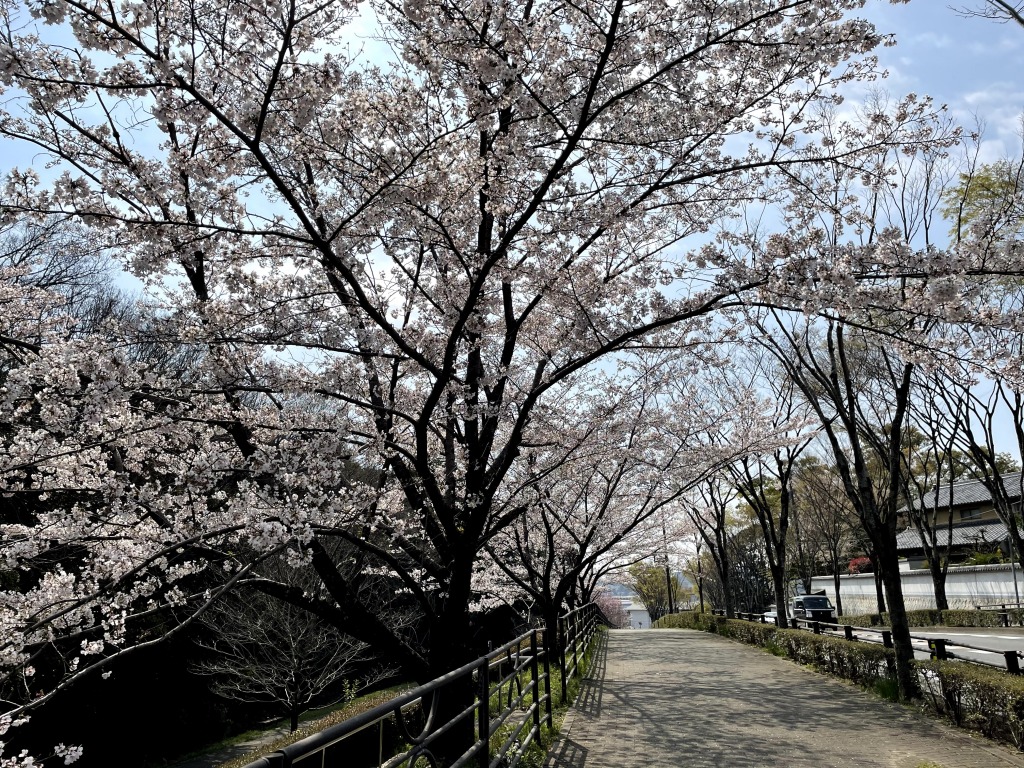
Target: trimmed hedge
x: 984, y: 699
x: 863, y: 663
x: 936, y: 618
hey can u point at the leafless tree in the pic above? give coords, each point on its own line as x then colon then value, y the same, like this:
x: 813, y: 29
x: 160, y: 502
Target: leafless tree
x: 267, y: 651
x: 997, y: 10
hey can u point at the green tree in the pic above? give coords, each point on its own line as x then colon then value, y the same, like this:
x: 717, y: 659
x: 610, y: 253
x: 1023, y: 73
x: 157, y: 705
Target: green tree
x: 651, y: 585
x: 987, y: 202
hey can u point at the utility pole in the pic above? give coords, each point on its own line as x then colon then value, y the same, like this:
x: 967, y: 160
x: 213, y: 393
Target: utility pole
x: 700, y: 578
x: 668, y: 572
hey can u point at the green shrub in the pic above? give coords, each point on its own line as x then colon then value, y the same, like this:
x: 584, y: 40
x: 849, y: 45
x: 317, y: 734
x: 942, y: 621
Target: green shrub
x: 984, y: 699
x: 971, y: 618
x: 864, y: 619
x: 935, y: 618
x: 984, y: 558
x: 689, y: 620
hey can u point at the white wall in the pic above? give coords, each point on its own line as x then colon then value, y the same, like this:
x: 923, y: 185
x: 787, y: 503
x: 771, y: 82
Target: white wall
x: 639, y: 618
x: 966, y: 587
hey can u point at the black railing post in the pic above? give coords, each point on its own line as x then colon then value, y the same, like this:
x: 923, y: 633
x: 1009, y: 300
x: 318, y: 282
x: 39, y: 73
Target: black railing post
x: 547, y: 685
x: 938, y: 649
x: 816, y: 627
x: 1012, y: 662
x: 886, y: 638
x: 483, y: 713
x: 576, y: 643
x: 848, y: 632
x: 563, y: 639
x: 535, y: 674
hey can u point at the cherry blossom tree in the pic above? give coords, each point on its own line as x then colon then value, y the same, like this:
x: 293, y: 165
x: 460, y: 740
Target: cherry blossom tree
x: 383, y: 269
x: 863, y: 419
x: 608, y: 489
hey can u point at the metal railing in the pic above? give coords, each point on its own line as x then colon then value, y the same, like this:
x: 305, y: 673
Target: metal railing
x: 938, y: 648
x: 511, y: 701
x: 1002, y: 610
x: 575, y: 631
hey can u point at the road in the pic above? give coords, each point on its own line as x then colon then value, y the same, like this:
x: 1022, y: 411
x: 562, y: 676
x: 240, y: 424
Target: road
x: 997, y: 638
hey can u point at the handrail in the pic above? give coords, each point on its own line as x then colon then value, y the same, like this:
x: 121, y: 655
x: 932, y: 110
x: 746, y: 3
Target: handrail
x: 512, y: 687
x: 938, y: 647
x: 999, y: 606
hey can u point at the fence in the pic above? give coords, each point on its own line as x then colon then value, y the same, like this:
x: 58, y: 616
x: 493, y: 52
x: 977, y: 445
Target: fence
x: 938, y: 648
x: 511, y: 700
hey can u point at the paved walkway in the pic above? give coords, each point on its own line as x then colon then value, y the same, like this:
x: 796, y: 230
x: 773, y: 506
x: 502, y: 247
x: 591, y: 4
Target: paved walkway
x: 685, y: 699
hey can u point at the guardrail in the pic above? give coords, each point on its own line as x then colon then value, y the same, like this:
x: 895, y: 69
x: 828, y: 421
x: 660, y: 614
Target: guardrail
x: 1002, y: 610
x: 575, y: 630
x: 512, y: 696
x: 939, y: 648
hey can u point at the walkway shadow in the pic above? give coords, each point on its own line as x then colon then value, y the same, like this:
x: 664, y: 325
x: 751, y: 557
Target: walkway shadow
x: 568, y: 753
x: 588, y: 700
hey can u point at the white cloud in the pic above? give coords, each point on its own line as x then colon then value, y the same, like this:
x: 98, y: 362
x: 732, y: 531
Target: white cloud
x: 931, y: 39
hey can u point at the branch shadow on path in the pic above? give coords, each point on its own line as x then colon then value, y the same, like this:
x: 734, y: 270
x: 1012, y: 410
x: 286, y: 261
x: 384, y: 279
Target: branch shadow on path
x: 681, y: 698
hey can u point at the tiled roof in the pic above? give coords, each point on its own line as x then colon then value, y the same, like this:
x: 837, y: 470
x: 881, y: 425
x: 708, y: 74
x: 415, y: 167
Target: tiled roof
x: 969, y: 492
x: 963, y: 535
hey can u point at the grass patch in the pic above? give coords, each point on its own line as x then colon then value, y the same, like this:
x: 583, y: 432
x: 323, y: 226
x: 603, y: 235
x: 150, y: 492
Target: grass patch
x: 311, y: 722
x: 887, y: 688
x: 536, y: 752
x: 534, y: 756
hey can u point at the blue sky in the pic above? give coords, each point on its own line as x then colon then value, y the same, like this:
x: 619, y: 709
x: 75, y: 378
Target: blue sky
x: 971, y: 64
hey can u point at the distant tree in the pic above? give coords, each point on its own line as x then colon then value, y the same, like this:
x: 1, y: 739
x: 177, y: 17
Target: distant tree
x: 988, y: 201
x: 750, y: 577
x: 824, y: 522
x: 709, y: 510
x: 979, y: 416
x: 652, y: 587
x: 267, y: 651
x: 612, y: 608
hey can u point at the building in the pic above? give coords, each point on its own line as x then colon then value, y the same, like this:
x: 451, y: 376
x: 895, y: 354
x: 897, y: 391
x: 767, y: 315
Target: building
x: 639, y: 618
x: 965, y: 519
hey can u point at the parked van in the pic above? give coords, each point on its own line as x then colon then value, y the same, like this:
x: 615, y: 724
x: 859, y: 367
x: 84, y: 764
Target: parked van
x: 813, y: 608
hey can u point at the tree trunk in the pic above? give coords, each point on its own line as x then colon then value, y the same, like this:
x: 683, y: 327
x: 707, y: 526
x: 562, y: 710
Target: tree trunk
x: 879, y: 593
x: 779, y: 582
x: 938, y: 584
x: 452, y: 646
x: 295, y: 719
x: 552, y: 642
x: 729, y: 598
x: 906, y: 675
x: 837, y: 581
